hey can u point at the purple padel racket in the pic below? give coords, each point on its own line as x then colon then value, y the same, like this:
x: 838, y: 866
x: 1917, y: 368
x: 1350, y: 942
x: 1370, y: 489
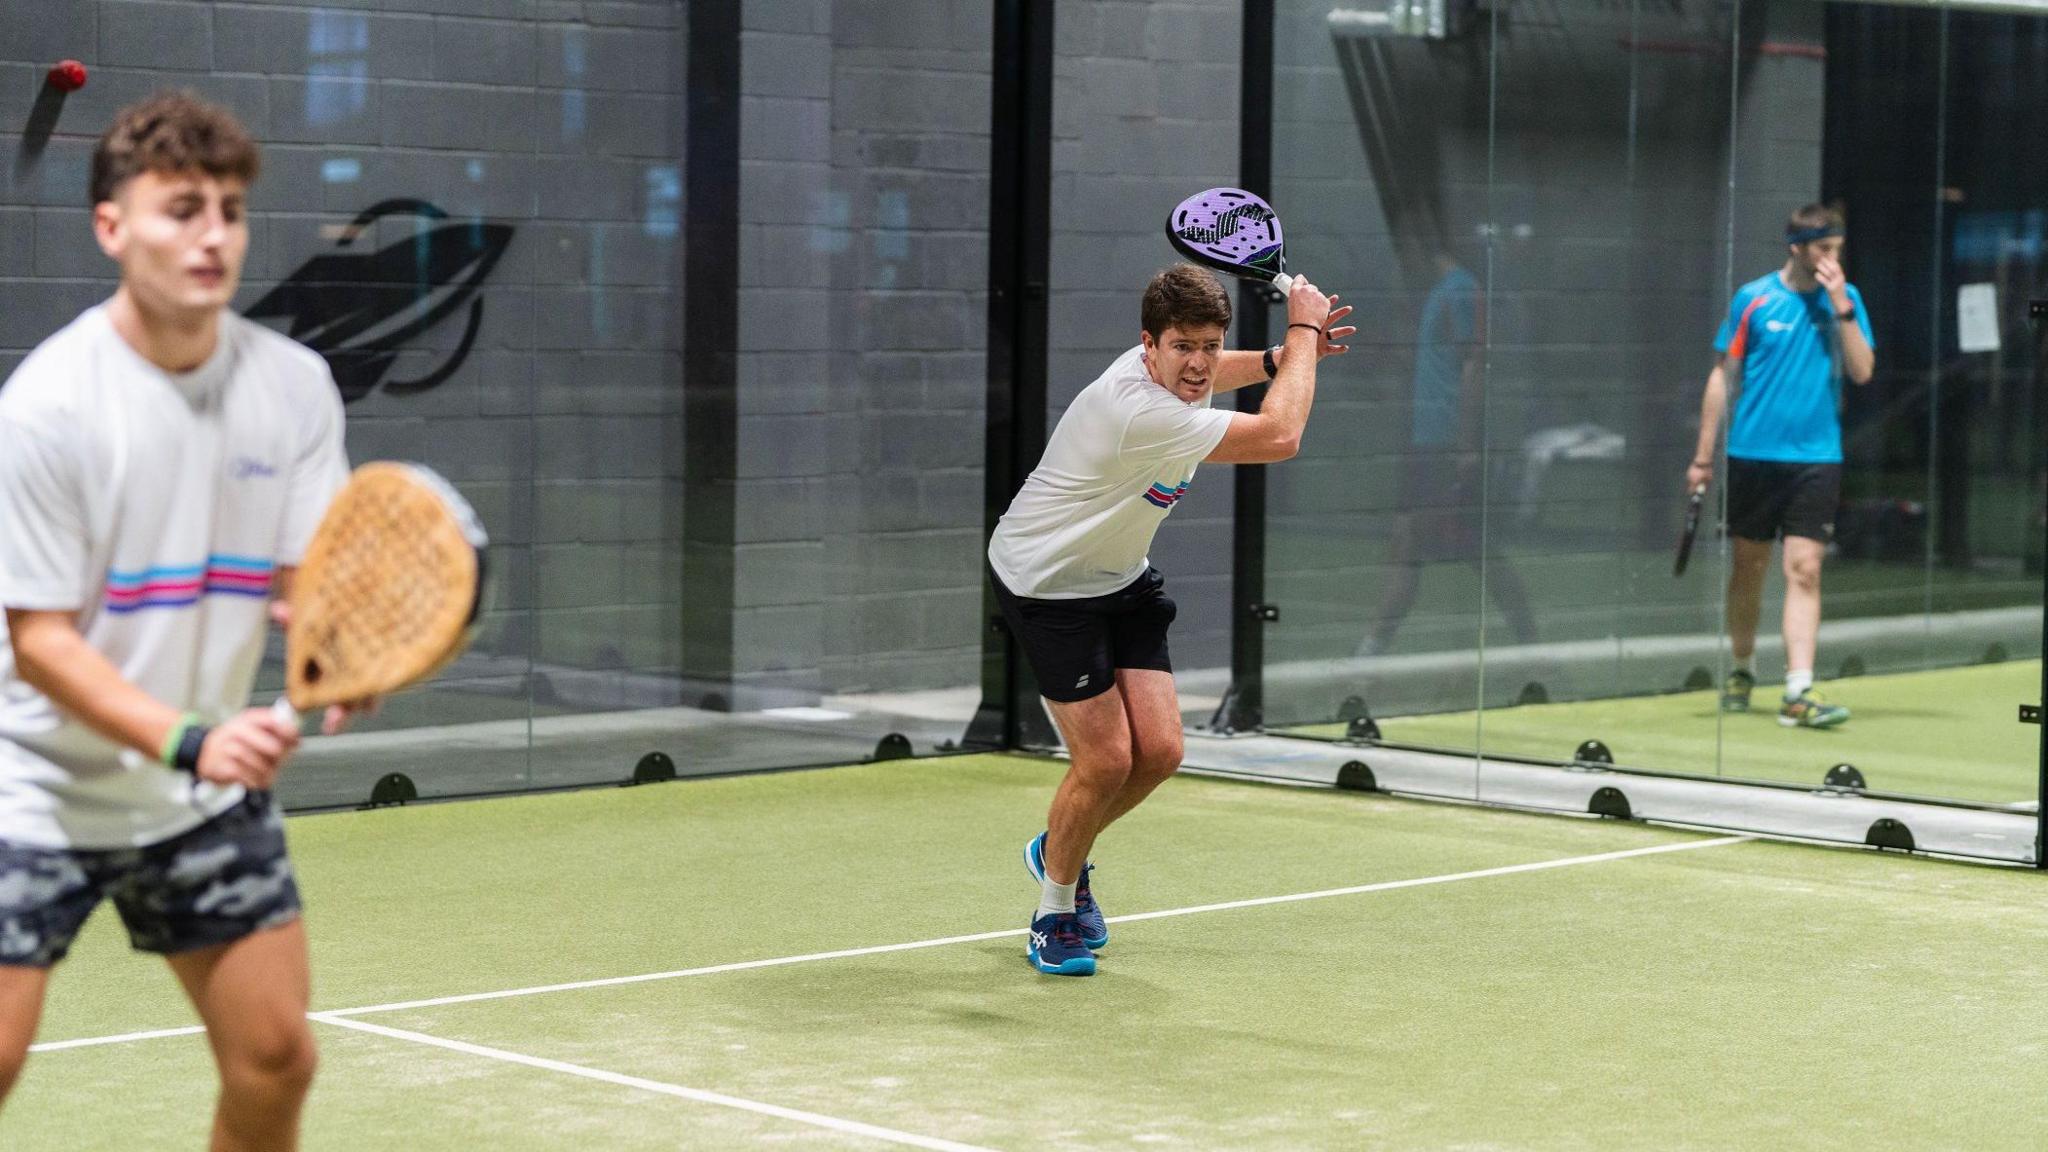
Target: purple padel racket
x: 1232, y: 231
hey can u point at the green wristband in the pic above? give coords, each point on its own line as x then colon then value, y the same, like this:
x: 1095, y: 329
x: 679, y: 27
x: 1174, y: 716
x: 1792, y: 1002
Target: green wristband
x: 168, y: 755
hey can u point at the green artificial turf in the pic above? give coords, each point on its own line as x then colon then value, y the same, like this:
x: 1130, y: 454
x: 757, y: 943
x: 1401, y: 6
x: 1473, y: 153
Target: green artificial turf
x: 1727, y: 995
x: 1953, y: 733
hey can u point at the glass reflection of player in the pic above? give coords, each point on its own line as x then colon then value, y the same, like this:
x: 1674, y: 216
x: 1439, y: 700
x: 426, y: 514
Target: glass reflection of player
x: 1437, y: 517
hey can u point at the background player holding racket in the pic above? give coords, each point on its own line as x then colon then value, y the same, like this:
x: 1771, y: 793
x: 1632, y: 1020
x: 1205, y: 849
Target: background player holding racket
x: 1790, y: 339
x: 1070, y: 567
x: 163, y: 465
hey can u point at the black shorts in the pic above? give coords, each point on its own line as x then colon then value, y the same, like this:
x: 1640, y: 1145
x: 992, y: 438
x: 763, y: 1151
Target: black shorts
x: 1439, y: 496
x: 226, y: 879
x: 1076, y: 646
x: 1770, y: 498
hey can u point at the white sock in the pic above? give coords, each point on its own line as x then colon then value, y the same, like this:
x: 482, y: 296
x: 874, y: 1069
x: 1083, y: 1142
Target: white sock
x: 1057, y: 898
x: 1796, y: 683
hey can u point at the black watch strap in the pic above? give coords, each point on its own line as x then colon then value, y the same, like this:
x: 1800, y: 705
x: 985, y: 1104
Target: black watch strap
x: 186, y: 757
x: 1272, y: 369
x: 1846, y: 314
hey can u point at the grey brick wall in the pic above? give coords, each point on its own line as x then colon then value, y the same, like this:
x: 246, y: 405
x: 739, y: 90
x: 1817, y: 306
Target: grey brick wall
x: 1145, y: 99
x: 864, y: 197
x: 560, y: 119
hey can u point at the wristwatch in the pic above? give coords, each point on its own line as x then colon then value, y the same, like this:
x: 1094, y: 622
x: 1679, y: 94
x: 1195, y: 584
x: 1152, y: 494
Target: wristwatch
x: 1847, y: 314
x: 1272, y: 369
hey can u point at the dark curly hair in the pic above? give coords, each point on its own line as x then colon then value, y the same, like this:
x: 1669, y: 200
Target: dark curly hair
x: 172, y: 132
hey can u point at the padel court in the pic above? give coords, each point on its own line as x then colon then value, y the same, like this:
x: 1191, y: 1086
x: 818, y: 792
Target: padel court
x: 1289, y: 968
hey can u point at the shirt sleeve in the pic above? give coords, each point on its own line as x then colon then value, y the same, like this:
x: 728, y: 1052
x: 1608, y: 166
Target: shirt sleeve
x: 43, y: 546
x: 1163, y: 428
x: 1731, y: 326
x: 317, y: 473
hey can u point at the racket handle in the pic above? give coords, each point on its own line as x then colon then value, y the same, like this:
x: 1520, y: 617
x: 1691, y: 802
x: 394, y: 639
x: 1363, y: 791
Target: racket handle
x: 1283, y: 282
x: 284, y: 711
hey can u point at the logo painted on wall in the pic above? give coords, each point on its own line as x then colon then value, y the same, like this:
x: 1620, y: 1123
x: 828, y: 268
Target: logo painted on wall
x: 359, y: 310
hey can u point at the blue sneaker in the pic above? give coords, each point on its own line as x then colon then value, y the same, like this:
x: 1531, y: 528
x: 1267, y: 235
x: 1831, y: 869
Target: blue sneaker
x: 1094, y: 928
x: 1055, y: 946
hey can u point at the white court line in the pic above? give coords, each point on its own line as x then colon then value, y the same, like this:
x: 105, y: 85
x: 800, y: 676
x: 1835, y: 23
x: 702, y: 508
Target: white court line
x: 814, y: 1119
x: 124, y: 1038
x: 943, y: 941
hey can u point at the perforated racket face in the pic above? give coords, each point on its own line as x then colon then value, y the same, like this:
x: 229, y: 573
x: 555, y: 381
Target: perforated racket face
x: 1228, y: 229
x: 388, y: 590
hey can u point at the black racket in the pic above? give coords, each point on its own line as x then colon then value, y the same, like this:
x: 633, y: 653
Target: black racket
x: 1692, y: 529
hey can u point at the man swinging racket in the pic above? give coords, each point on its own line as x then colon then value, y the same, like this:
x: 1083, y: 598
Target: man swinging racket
x: 1071, y: 574
x: 163, y: 464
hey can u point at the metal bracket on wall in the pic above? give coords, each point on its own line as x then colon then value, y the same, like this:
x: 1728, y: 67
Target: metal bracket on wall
x: 2030, y: 713
x: 1268, y: 613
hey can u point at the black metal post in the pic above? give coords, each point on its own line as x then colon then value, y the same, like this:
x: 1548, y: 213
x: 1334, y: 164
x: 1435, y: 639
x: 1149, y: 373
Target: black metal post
x: 1019, y: 262
x: 1244, y: 703
x: 711, y: 326
x: 2036, y: 311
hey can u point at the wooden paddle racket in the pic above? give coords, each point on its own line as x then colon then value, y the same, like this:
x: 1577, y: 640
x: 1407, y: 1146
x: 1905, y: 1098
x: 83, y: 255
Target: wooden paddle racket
x: 389, y: 590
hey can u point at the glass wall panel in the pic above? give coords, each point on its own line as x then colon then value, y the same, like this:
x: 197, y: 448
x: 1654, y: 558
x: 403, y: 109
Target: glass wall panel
x: 478, y: 219
x: 1145, y: 112
x: 1985, y: 491
x: 1374, y: 544
x: 1608, y: 219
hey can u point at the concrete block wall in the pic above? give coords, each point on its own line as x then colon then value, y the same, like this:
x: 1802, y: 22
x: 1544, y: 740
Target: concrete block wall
x: 864, y: 251
x: 1145, y: 99
x: 558, y: 118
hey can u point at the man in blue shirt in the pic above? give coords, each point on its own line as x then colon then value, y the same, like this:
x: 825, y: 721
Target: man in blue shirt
x: 1789, y: 340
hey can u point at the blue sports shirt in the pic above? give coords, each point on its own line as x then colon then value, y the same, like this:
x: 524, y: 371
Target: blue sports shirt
x: 1791, y: 375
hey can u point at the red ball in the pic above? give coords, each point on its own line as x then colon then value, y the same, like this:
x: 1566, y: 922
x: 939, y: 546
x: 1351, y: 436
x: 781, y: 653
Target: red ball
x: 67, y: 76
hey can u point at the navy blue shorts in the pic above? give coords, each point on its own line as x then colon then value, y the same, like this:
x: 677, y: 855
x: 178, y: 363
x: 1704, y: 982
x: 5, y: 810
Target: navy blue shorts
x: 226, y: 879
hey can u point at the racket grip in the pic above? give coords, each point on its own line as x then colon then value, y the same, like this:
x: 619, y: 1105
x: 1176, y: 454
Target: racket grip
x: 1283, y: 282
x: 284, y: 711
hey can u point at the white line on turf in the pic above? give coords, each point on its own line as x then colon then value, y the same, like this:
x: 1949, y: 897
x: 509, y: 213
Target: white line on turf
x: 943, y: 941
x: 123, y: 1038
x: 815, y: 1120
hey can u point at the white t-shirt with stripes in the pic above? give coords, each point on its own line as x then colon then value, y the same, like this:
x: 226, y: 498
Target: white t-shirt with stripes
x: 1123, y: 455
x: 157, y: 509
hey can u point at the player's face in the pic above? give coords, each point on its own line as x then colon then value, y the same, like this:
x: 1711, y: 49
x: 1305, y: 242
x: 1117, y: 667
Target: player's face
x: 1183, y: 360
x: 1810, y: 256
x: 179, y: 237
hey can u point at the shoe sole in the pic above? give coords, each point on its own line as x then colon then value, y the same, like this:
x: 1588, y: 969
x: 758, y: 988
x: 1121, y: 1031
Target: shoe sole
x: 1794, y: 722
x: 1037, y: 870
x: 1078, y: 966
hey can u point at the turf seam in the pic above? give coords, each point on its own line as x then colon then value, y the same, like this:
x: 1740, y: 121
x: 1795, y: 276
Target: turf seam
x: 699, y: 1095
x: 334, y: 1014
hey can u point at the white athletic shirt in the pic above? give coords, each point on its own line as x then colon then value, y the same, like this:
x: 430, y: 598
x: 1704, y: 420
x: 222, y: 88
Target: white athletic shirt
x: 1121, y: 458
x: 157, y: 508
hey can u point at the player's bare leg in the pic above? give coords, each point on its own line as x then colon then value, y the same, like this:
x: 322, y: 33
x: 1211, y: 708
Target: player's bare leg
x: 252, y: 995
x: 1097, y: 732
x: 1802, y: 601
x: 1153, y: 707
x: 21, y: 1008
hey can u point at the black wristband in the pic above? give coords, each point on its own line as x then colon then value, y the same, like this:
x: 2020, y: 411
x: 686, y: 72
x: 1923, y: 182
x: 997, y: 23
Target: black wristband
x: 1272, y: 369
x: 1848, y: 315
x: 1315, y: 328
x: 186, y: 758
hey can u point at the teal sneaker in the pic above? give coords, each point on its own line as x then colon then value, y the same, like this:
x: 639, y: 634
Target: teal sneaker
x: 1735, y: 691
x: 1811, y: 710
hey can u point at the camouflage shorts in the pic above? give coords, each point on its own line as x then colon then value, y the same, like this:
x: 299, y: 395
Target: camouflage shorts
x: 226, y: 879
